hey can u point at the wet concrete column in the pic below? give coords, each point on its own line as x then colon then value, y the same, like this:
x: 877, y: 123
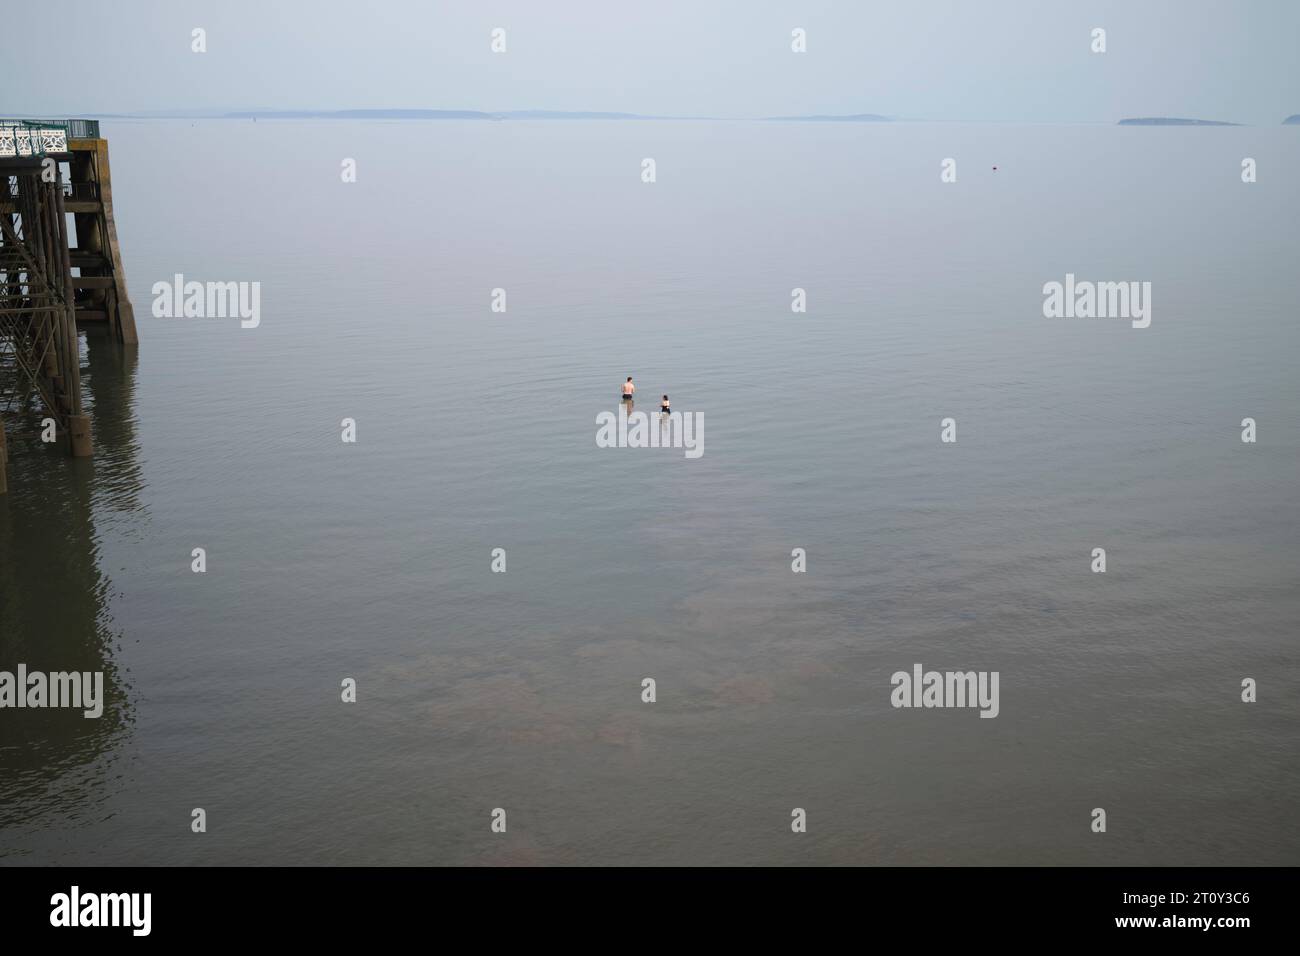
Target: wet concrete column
x: 79, y: 436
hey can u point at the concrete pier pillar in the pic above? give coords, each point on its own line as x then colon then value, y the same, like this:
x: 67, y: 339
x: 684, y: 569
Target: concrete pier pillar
x: 79, y: 436
x: 102, y: 279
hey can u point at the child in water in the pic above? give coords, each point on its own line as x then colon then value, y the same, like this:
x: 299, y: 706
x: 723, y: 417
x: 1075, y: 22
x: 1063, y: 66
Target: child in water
x: 663, y: 406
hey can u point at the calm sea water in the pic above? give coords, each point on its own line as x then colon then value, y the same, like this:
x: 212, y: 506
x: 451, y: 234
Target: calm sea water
x: 476, y: 431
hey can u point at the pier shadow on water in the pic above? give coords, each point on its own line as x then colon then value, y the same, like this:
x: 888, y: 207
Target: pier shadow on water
x: 54, y: 596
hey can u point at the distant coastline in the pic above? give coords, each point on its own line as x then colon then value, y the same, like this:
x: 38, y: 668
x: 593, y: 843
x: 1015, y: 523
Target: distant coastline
x: 433, y: 114
x: 426, y: 114
x: 535, y: 114
x: 827, y: 118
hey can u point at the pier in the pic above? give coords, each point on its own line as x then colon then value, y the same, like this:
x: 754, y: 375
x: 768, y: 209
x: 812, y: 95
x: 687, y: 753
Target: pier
x: 60, y: 271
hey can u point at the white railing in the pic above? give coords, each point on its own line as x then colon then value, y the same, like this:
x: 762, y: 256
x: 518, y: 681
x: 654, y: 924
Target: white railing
x: 32, y: 140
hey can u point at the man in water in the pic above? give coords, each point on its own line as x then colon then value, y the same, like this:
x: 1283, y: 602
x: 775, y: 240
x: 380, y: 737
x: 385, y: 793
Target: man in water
x: 628, y: 389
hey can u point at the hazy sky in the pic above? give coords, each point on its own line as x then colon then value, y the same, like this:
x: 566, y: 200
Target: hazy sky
x: 924, y: 59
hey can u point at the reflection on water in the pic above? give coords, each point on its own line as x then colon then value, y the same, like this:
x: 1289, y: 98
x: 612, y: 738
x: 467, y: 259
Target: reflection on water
x: 54, y: 597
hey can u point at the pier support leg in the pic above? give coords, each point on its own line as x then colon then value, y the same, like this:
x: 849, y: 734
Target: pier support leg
x: 89, y: 165
x: 4, y: 461
x: 79, y: 435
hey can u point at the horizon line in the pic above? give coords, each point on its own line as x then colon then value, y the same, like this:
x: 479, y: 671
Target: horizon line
x: 439, y: 113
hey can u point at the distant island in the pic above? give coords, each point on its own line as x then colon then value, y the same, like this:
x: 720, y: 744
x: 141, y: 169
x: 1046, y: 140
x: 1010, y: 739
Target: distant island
x: 1172, y: 121
x: 1292, y: 120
